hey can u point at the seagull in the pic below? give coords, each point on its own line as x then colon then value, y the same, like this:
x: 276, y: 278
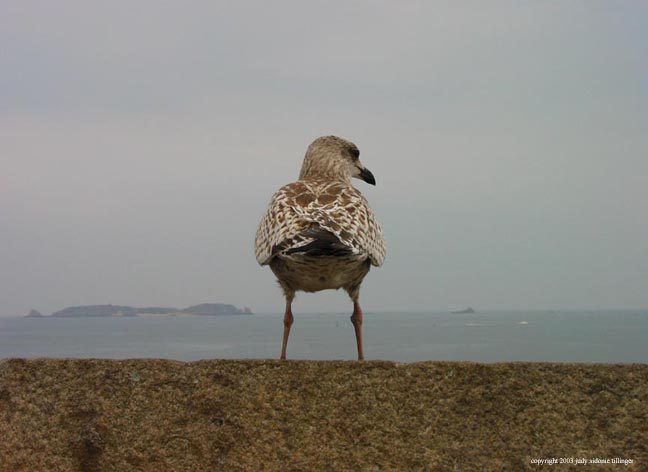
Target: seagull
x: 319, y: 233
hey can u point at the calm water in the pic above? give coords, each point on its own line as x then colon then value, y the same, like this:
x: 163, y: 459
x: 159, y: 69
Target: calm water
x: 610, y: 336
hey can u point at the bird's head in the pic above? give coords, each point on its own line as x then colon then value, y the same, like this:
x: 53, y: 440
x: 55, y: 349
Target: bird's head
x: 330, y: 157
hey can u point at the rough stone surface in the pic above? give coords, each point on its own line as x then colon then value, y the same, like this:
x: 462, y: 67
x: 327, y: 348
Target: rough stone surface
x: 253, y: 415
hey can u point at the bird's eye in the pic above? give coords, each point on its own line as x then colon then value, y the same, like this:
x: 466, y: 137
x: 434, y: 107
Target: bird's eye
x: 355, y: 153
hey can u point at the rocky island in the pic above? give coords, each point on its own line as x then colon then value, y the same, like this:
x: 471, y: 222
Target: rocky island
x: 34, y: 314
x: 467, y: 310
x: 94, y: 311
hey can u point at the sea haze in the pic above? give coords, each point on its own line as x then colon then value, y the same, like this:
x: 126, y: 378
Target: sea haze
x: 561, y: 336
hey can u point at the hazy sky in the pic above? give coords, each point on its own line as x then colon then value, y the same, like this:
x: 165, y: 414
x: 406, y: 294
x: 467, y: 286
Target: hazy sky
x: 140, y: 143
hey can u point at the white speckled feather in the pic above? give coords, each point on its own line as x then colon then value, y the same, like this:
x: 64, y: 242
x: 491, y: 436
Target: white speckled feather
x: 333, y: 206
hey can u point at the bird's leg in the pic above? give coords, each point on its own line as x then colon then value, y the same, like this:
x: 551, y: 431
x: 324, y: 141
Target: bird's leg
x: 288, y: 321
x: 356, y: 319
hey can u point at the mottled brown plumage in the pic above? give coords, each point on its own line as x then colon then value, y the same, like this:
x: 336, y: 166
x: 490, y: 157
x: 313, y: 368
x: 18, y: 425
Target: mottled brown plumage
x: 319, y: 233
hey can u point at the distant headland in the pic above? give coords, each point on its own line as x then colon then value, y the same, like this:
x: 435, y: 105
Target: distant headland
x: 95, y: 311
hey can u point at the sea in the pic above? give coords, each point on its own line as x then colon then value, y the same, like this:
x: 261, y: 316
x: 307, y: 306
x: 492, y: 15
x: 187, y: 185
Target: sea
x: 610, y: 336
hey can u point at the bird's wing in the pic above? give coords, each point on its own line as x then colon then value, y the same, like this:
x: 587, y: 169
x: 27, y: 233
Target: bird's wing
x: 319, y: 218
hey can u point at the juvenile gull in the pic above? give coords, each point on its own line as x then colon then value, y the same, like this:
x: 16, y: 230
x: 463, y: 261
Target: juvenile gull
x: 319, y: 233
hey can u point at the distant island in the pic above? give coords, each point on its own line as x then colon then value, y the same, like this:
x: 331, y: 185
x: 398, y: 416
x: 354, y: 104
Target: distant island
x: 95, y: 311
x: 34, y: 314
x: 467, y: 310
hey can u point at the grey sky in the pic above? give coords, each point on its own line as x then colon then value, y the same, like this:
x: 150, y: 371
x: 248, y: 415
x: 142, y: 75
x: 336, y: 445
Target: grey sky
x: 141, y: 142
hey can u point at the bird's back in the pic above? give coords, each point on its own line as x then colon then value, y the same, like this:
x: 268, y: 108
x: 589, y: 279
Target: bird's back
x: 318, y: 218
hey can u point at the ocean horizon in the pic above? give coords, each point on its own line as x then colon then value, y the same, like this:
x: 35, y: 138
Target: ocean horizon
x: 604, y: 336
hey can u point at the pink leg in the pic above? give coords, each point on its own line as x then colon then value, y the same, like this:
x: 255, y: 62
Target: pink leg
x: 356, y: 319
x: 288, y: 321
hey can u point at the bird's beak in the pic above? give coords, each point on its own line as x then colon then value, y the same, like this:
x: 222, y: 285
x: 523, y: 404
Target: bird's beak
x: 367, y: 176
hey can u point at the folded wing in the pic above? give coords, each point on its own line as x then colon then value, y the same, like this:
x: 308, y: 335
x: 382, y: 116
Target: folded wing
x: 319, y: 219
